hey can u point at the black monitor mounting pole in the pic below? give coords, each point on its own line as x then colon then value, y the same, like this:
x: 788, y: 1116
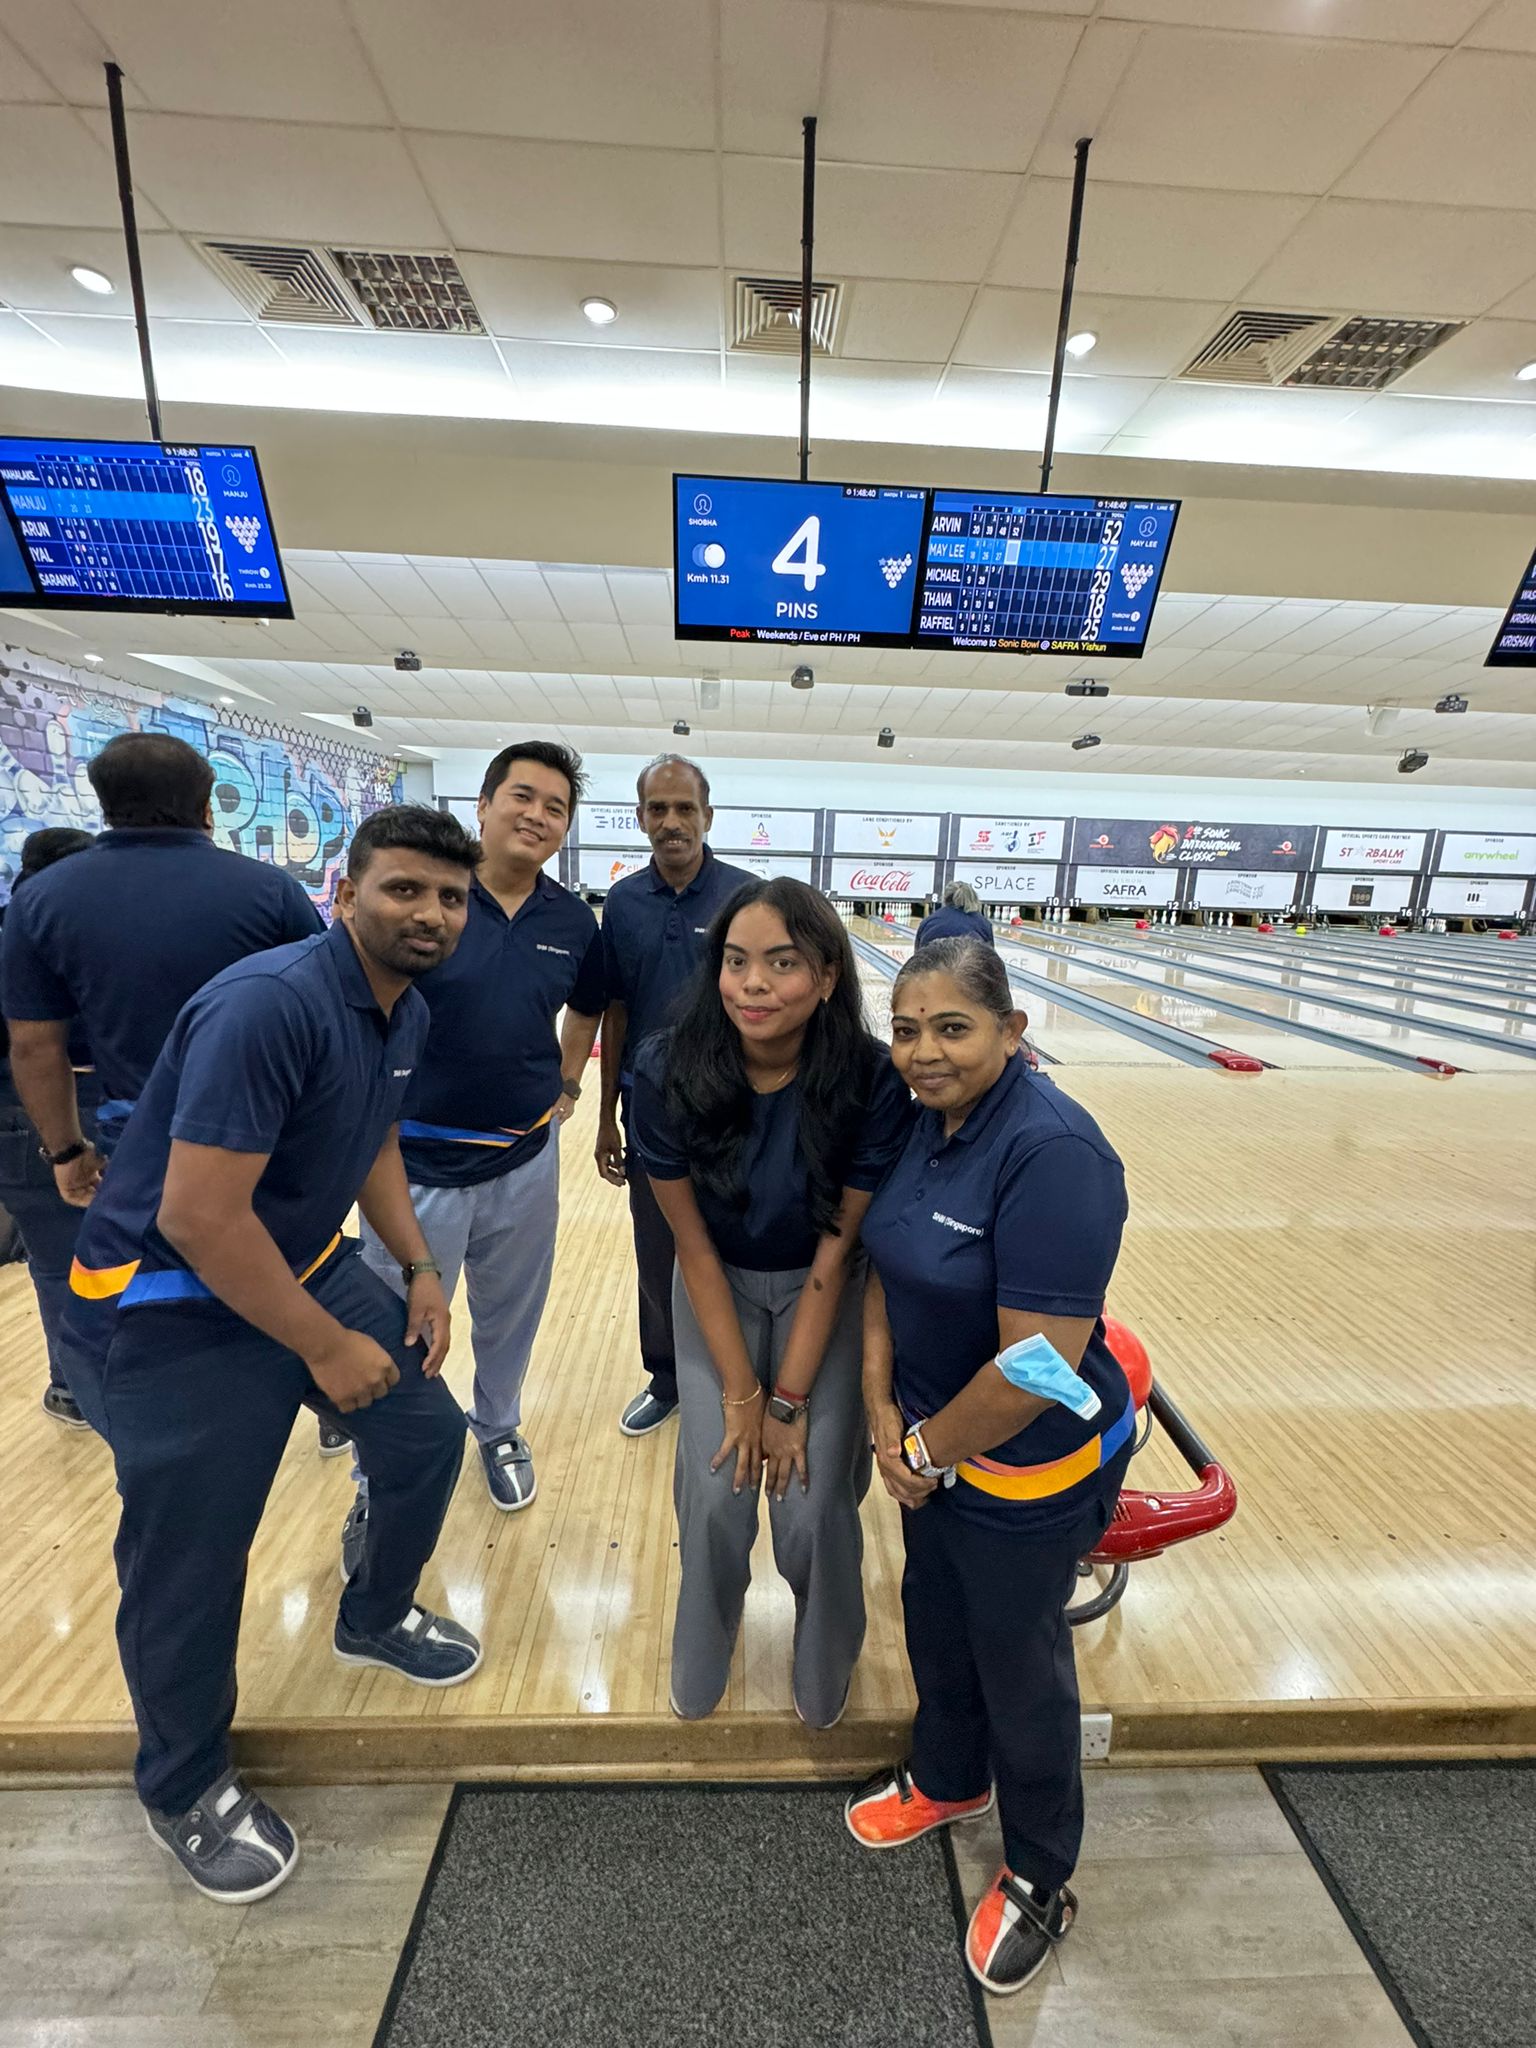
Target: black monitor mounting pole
x: 807, y: 289
x: 131, y: 238
x: 1064, y: 322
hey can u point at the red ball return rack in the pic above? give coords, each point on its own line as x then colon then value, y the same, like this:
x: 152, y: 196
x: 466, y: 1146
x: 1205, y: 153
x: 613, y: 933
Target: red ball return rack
x: 1145, y: 1524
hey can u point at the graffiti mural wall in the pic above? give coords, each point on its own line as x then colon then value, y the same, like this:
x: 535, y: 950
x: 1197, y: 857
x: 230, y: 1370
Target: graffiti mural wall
x: 279, y: 794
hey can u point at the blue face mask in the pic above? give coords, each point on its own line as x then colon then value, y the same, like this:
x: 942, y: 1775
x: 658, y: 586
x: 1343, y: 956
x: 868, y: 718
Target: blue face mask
x: 1035, y: 1366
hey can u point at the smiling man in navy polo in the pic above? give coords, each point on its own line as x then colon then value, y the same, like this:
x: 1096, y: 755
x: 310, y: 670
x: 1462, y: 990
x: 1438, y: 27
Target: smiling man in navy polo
x: 481, y: 1118
x: 654, y: 928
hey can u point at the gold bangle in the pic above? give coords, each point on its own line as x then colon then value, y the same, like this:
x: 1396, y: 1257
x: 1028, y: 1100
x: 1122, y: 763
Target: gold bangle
x: 745, y: 1401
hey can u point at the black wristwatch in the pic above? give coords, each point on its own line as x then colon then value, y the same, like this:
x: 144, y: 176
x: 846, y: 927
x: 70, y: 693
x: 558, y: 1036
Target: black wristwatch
x: 416, y: 1268
x: 786, y: 1411
x: 571, y: 1088
x: 70, y: 1153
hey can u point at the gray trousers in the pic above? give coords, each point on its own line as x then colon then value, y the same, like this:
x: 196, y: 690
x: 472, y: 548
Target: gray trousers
x: 501, y: 1235
x: 818, y: 1544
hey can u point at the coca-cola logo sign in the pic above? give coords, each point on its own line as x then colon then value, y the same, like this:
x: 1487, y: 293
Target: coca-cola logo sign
x: 893, y: 881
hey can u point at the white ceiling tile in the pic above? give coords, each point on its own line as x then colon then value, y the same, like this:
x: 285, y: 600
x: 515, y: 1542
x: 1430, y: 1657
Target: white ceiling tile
x: 1093, y: 78
x: 52, y: 171
x: 335, y: 581
x: 536, y: 299
x: 938, y: 225
x: 19, y: 81
x: 35, y: 263
x: 1467, y: 139
x: 601, y: 644
x: 457, y: 587
x: 497, y: 640
x: 1007, y: 409
x: 585, y: 71
x: 581, y: 594
x: 110, y: 343
x: 1447, y: 437
x: 1255, y: 114
x: 604, y: 384
x: 1433, y: 262
x: 641, y: 596
x: 522, y: 594
x: 910, y: 323
x: 955, y: 92
x: 291, y: 60
x: 60, y: 43
x: 568, y: 200
x: 399, y: 587
x: 770, y: 71
x: 550, y: 641
x: 1226, y: 423
x: 284, y: 181
x: 1013, y: 330
x: 421, y: 372
x: 1507, y: 25
x: 1520, y: 305
x: 1480, y: 362
x: 1147, y: 241
x: 1442, y: 22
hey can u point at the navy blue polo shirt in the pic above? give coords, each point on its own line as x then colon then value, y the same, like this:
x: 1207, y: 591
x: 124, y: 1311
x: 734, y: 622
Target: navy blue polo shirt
x: 482, y: 1096
x: 774, y: 1233
x: 286, y: 1053
x: 653, y: 939
x: 948, y: 923
x: 122, y: 934
x: 1022, y: 1209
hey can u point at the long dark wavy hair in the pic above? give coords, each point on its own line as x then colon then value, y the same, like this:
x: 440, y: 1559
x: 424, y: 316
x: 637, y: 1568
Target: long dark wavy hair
x: 708, y: 1096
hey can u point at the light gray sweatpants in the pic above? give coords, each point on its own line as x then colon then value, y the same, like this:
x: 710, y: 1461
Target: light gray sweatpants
x: 818, y: 1545
x: 501, y: 1235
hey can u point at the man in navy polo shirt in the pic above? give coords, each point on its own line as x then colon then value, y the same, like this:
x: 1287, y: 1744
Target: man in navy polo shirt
x: 654, y: 927
x: 482, y: 1114
x: 212, y: 1295
x: 122, y: 936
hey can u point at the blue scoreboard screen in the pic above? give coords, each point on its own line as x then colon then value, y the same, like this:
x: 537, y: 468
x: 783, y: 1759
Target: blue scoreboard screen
x: 1024, y: 574
x: 1515, y: 643
x: 137, y: 526
x: 827, y: 564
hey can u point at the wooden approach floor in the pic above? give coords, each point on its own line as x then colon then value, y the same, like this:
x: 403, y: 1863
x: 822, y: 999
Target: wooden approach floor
x: 1333, y: 1273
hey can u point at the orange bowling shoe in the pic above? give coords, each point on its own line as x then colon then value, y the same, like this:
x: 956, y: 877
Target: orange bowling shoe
x: 1013, y: 1930
x: 890, y: 1811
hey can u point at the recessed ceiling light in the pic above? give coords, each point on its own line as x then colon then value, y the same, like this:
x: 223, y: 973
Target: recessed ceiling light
x: 93, y: 281
x: 93, y: 660
x: 226, y: 700
x: 1526, y: 374
x: 1081, y: 344
x: 601, y: 312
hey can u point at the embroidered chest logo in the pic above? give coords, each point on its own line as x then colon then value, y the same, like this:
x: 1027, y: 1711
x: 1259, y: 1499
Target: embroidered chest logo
x: 563, y: 951
x: 403, y: 1073
x: 952, y: 1223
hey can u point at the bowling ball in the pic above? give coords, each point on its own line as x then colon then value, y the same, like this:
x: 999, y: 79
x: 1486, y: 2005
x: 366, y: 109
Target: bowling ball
x: 1131, y: 1355
x: 1387, y: 931
x: 1266, y: 927
x: 1142, y: 925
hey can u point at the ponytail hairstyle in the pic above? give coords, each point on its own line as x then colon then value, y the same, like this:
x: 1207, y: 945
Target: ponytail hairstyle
x: 708, y: 1096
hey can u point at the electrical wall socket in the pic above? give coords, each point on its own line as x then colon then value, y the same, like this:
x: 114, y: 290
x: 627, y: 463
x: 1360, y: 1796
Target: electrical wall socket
x: 1097, y: 1731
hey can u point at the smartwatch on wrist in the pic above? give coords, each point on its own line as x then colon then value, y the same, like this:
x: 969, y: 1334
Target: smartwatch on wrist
x: 571, y: 1088
x: 416, y: 1268
x: 914, y: 1455
x: 67, y: 1155
x: 785, y: 1408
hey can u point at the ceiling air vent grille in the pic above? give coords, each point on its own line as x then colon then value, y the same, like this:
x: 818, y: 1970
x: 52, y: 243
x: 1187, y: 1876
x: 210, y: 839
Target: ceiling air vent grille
x: 297, y: 287
x: 767, y: 316
x: 1352, y: 352
x: 410, y: 294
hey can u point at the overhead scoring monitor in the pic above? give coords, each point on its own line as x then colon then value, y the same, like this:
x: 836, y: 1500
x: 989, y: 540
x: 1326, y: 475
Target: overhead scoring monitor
x: 1026, y: 574
x: 827, y: 564
x: 137, y: 526
x: 1514, y: 644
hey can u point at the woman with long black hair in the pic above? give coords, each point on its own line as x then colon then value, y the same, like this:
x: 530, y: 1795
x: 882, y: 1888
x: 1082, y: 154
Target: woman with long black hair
x: 765, y: 1118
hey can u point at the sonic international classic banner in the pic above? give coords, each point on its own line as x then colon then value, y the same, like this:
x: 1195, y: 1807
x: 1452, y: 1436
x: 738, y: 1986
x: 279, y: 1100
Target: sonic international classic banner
x: 1181, y: 843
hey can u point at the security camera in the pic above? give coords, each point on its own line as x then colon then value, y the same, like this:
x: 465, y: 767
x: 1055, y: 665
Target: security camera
x: 886, y: 737
x: 1086, y: 739
x: 1452, y: 701
x: 803, y: 678
x: 408, y: 661
x: 681, y: 728
x: 1413, y: 760
x: 1084, y: 688
x: 361, y: 715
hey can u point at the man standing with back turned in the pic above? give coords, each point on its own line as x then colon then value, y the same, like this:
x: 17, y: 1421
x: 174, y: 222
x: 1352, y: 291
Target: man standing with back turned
x: 482, y: 1114
x: 213, y: 1294
x: 653, y: 937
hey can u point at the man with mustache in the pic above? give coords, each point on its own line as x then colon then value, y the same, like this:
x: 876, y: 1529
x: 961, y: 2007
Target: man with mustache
x: 654, y: 927
x: 481, y: 1119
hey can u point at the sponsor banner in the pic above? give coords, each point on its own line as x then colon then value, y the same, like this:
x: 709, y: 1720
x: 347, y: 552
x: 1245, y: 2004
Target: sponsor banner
x: 903, y: 833
x: 611, y: 825
x: 596, y: 870
x: 1487, y: 853
x: 1010, y: 839
x: 1185, y: 843
x: 797, y: 865
x: 1477, y: 898
x: 878, y: 877
x: 1125, y: 885
x: 1400, y: 853
x: 1361, y: 892
x: 1229, y: 890
x: 737, y: 830
x: 1001, y: 882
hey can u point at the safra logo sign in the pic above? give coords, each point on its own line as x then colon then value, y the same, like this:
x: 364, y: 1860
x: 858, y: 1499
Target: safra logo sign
x: 1125, y: 889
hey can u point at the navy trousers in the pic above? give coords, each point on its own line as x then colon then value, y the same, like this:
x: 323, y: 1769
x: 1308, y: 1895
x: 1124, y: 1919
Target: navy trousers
x: 47, y: 1224
x: 991, y: 1655
x: 198, y: 1407
x: 655, y: 1255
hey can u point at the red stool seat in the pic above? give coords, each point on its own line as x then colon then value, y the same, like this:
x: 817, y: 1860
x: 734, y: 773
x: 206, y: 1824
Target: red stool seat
x: 1131, y: 1355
